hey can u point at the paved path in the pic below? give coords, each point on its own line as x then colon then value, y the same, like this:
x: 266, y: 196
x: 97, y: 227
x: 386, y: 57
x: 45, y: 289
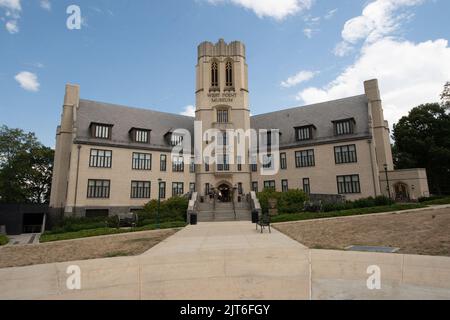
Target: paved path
x: 227, y: 260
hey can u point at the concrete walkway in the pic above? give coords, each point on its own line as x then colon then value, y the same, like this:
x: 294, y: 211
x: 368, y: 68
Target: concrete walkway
x: 227, y: 260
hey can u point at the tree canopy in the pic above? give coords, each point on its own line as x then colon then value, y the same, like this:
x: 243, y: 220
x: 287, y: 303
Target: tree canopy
x: 422, y: 140
x: 25, y: 167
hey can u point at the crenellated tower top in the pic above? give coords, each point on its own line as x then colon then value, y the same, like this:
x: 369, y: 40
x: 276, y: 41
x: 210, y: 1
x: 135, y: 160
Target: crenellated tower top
x: 221, y: 49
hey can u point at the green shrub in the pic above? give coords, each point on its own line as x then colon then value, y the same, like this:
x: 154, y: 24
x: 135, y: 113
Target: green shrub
x: 359, y: 204
x: 73, y: 224
x: 291, y: 201
x: 3, y: 240
x: 432, y: 198
x: 344, y: 213
x: 437, y: 201
x: 173, y: 209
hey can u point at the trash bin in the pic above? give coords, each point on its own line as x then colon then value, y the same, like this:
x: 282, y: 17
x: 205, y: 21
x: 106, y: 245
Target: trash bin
x: 193, y: 218
x: 255, y: 216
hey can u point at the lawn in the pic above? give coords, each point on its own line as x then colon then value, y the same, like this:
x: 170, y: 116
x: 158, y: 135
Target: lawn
x: 343, y: 213
x: 126, y: 244
x: 3, y: 240
x: 423, y: 232
x: 436, y: 202
x: 87, y: 233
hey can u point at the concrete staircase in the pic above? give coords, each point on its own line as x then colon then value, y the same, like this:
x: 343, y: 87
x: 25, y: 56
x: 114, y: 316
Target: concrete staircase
x: 224, y: 212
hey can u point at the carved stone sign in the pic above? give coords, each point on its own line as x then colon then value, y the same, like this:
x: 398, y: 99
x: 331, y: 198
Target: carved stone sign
x: 222, y: 97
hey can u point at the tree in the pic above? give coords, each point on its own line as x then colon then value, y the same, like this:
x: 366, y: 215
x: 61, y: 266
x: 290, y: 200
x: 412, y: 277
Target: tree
x: 445, y: 96
x: 422, y: 140
x: 25, y: 168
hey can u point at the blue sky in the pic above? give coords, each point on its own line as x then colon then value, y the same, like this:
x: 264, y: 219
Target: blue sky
x: 143, y: 53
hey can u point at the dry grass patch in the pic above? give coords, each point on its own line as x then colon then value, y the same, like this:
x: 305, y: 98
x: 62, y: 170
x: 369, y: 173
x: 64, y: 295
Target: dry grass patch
x: 129, y: 244
x: 424, y: 233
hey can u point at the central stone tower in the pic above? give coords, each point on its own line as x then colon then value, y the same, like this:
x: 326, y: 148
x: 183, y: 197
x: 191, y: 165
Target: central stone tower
x: 222, y: 103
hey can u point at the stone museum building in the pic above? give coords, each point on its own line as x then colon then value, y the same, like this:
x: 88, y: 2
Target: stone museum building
x: 114, y: 159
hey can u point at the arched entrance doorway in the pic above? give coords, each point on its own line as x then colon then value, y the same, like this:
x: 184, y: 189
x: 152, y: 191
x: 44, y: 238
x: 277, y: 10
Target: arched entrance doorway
x: 224, y: 193
x: 401, y: 192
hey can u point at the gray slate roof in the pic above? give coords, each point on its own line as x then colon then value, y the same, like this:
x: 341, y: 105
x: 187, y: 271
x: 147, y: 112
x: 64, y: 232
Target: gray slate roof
x: 125, y: 118
x: 320, y: 115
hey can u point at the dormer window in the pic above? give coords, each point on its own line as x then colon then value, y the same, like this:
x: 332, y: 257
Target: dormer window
x: 304, y: 133
x: 344, y: 127
x: 140, y: 135
x: 176, y: 140
x: 101, y: 131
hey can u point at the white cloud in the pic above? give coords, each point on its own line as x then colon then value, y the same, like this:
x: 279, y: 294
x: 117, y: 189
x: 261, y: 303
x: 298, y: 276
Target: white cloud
x: 409, y: 74
x: 13, y: 5
x: 28, y: 81
x: 277, y: 9
x: 12, y: 10
x: 12, y: 26
x: 342, y: 49
x: 378, y: 19
x: 189, y: 111
x: 46, y: 4
x: 300, y: 77
x: 308, y: 32
x: 331, y: 14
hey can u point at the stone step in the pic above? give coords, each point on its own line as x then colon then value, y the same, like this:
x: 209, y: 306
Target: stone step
x: 217, y: 216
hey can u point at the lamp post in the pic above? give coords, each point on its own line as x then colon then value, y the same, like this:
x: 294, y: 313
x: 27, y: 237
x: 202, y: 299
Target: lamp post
x: 387, y: 180
x: 159, y: 203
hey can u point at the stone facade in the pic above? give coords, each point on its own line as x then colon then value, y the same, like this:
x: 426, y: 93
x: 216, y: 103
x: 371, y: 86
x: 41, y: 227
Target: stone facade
x: 222, y: 103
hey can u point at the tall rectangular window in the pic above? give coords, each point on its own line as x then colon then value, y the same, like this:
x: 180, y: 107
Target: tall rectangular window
x: 222, y: 116
x: 100, y: 158
x: 163, y: 163
x: 348, y: 184
x: 303, y: 133
x: 268, y: 161
x: 192, y: 187
x: 207, y: 189
x: 240, y: 189
x: 284, y: 186
x: 345, y: 154
x: 101, y: 131
x: 142, y: 161
x: 192, y: 166
x: 255, y: 186
x: 306, y: 186
x: 239, y: 163
x: 283, y: 161
x: 140, y: 189
x: 344, y: 127
x: 177, y: 189
x: 162, y: 190
x: 206, y: 164
x: 223, y: 163
x: 270, y: 185
x: 177, y: 164
x: 305, y: 159
x: 98, y: 189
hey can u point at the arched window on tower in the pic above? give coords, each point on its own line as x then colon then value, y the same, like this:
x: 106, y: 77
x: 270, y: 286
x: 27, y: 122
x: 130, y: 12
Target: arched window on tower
x: 229, y: 74
x: 214, y: 74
